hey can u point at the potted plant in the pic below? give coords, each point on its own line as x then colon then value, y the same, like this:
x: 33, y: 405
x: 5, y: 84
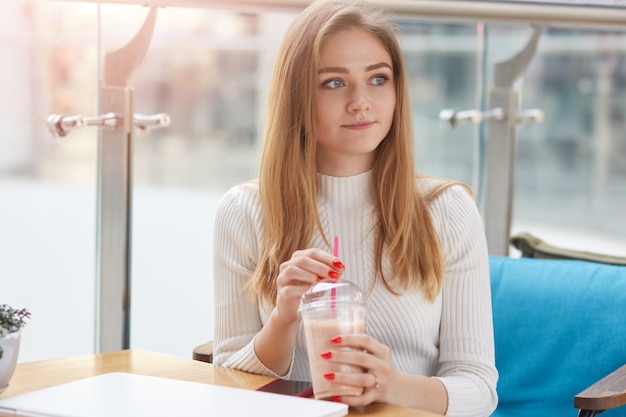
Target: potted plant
x: 11, y: 322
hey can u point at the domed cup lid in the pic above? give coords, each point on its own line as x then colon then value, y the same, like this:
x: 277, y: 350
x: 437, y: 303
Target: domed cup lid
x: 327, y: 293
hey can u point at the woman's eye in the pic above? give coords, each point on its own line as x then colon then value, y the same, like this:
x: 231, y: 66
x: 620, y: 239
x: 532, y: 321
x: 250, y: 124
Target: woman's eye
x: 332, y: 84
x: 379, y: 79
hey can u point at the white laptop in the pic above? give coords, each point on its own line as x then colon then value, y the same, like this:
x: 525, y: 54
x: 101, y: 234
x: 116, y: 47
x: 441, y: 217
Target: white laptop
x: 120, y: 394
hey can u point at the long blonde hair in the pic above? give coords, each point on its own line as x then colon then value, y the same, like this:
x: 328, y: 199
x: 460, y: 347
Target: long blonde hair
x: 288, y: 181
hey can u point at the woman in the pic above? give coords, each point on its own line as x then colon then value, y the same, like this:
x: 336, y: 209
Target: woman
x: 338, y: 160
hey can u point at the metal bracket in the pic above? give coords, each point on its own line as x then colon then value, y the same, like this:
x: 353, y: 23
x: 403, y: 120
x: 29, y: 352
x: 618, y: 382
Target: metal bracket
x: 119, y: 65
x: 507, y: 72
x: 114, y: 189
x: 61, y: 125
x: 452, y: 118
x: 500, y: 146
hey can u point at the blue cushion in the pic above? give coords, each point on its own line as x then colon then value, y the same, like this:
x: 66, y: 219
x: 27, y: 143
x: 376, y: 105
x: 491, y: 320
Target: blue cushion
x: 560, y: 326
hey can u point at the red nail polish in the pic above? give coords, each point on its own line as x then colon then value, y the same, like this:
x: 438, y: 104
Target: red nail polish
x: 320, y: 278
x: 336, y: 339
x: 333, y: 274
x: 337, y: 264
x: 329, y: 375
x: 336, y: 398
x: 326, y: 355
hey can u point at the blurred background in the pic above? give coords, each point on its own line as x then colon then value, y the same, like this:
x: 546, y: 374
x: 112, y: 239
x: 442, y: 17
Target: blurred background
x: 208, y: 69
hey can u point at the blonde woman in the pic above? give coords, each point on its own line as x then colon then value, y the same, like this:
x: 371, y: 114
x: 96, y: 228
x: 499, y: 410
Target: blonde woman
x: 338, y: 160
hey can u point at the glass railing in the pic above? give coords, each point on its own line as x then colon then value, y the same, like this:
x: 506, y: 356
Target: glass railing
x: 208, y: 67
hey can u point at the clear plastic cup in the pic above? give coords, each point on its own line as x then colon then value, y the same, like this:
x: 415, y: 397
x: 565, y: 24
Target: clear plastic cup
x: 328, y: 309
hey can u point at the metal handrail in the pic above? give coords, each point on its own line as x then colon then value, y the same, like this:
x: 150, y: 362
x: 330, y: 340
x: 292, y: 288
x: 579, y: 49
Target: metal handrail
x: 565, y: 14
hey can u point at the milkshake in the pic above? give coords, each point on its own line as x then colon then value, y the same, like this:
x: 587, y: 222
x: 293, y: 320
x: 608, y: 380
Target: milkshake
x: 329, y: 309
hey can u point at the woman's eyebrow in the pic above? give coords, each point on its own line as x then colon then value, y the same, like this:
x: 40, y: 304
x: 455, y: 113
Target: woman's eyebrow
x: 379, y: 65
x: 342, y: 70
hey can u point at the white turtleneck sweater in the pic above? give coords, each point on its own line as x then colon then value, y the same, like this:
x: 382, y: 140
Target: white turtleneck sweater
x: 450, y: 338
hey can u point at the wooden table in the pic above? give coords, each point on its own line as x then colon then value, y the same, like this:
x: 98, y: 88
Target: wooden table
x: 32, y: 376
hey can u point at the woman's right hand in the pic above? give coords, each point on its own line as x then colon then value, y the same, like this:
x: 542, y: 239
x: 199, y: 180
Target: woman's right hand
x: 296, y: 275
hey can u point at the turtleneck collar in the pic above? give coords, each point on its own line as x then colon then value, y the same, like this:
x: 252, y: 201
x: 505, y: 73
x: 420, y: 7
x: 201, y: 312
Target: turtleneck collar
x: 347, y: 192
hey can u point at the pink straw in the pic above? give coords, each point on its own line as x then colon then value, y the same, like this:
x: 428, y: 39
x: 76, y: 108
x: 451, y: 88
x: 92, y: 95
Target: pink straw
x: 333, y: 291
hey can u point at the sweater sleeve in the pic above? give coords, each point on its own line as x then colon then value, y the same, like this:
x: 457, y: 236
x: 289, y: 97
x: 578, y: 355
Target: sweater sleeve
x: 235, y: 256
x: 466, y: 357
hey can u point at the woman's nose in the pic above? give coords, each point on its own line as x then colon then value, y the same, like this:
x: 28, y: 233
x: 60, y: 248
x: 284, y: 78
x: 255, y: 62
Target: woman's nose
x: 359, y: 101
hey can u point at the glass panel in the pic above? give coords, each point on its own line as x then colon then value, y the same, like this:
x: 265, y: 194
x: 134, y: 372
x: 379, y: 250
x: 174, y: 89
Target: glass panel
x: 570, y: 186
x: 48, y: 185
x: 208, y: 70
x: 444, y: 63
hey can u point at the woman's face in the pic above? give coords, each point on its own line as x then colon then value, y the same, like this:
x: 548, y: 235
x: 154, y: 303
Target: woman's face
x: 356, y: 97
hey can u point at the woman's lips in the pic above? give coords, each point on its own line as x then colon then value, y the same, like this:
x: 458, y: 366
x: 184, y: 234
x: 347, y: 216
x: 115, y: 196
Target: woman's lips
x: 359, y: 125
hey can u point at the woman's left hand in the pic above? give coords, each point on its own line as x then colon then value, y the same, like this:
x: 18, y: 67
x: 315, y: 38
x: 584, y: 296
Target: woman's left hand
x: 377, y: 380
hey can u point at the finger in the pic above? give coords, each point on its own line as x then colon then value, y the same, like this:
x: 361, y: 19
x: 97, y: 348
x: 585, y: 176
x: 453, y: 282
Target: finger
x: 329, y: 260
x: 376, y: 383
x: 354, y: 379
x: 359, y: 400
x: 293, y: 290
x: 366, y: 381
x: 367, y: 397
x: 318, y: 255
x: 292, y: 274
x: 308, y: 269
x: 353, y: 357
x: 363, y: 342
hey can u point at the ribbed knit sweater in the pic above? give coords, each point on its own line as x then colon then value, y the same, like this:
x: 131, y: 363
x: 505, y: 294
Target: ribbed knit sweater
x: 450, y: 338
